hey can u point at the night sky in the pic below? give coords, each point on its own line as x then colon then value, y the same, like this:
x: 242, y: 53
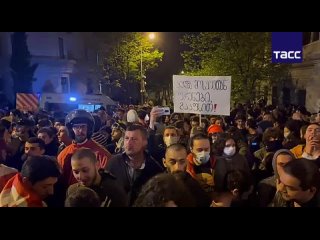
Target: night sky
x: 172, y: 62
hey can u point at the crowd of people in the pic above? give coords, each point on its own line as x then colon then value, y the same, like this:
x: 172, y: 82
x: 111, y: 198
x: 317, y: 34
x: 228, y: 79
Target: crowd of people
x: 259, y: 156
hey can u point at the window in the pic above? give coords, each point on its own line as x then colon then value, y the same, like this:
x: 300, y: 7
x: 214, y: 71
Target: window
x: 61, y: 48
x: 64, y: 84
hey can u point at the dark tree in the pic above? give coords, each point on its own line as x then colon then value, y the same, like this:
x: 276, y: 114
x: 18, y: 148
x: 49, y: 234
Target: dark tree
x: 21, y: 69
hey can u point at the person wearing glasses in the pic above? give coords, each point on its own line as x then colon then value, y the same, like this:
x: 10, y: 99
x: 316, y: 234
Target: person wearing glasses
x: 80, y: 124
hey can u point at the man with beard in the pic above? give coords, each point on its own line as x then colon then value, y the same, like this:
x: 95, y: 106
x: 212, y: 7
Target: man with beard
x: 32, y: 185
x: 176, y: 162
x: 134, y: 167
x: 80, y: 124
x: 175, y: 159
x: 86, y: 170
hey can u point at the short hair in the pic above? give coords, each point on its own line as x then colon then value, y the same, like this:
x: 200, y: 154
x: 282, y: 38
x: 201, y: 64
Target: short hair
x: 141, y: 114
x: 252, y: 123
x: 179, y: 124
x: 197, y: 130
x: 198, y: 137
x: 84, y: 153
x: 171, y: 127
x: 46, y: 130
x: 194, y: 119
x: 306, y: 171
x: 38, y: 168
x: 135, y: 127
x: 218, y: 118
x: 44, y: 123
x: 61, y: 121
x: 82, y: 197
x: 37, y: 140
x: 176, y: 147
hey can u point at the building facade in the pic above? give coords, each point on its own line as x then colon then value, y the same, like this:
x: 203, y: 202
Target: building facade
x: 67, y: 62
x: 305, y: 76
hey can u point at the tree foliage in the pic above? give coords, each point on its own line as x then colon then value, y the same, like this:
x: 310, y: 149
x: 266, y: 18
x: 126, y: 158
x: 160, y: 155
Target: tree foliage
x: 123, y: 56
x: 245, y: 56
x: 21, y: 69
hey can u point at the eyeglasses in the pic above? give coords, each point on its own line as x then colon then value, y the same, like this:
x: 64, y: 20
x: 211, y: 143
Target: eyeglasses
x: 79, y: 126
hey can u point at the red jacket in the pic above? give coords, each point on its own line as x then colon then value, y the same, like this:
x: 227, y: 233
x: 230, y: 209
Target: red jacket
x: 64, y: 159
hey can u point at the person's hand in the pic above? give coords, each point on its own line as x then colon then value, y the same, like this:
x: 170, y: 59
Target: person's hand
x: 154, y: 114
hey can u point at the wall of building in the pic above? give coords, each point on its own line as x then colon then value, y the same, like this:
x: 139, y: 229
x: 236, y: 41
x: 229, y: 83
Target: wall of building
x: 306, y: 76
x: 77, y: 62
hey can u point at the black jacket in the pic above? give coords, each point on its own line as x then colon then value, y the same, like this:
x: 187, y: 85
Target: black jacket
x: 109, y: 191
x: 119, y: 167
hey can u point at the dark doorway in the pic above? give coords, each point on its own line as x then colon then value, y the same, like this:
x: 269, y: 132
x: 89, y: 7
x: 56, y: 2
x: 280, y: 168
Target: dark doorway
x: 286, y: 97
x: 302, y: 97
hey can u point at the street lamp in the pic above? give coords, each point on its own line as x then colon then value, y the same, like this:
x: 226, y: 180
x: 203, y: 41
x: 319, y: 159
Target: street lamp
x: 151, y: 36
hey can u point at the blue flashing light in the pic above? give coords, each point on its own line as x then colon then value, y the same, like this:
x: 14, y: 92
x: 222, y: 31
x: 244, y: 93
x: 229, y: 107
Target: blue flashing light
x: 72, y: 99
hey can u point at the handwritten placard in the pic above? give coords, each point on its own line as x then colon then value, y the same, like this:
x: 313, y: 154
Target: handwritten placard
x: 208, y: 95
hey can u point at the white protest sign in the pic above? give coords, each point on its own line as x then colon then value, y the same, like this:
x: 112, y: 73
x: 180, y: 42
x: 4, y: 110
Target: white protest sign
x: 207, y: 95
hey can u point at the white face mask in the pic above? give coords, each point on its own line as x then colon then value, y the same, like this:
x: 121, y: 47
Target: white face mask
x: 170, y: 140
x: 201, y: 158
x: 229, y: 151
